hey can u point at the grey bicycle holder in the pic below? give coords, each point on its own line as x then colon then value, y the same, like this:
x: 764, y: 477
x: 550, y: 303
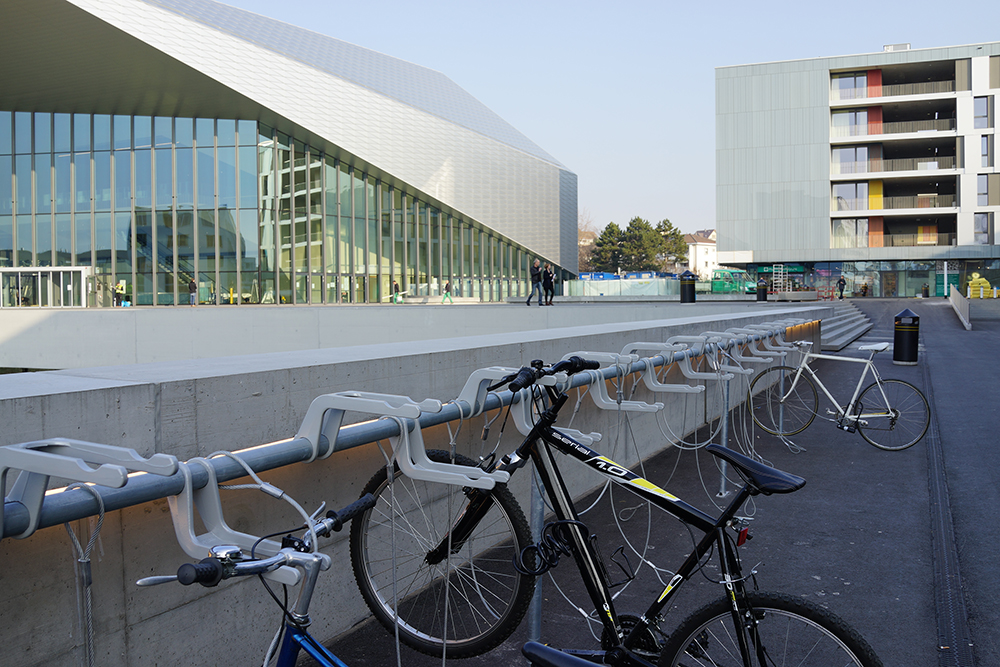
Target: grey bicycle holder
x: 739, y: 340
x: 752, y: 342
x: 209, y: 506
x: 408, y: 448
x: 73, y: 460
x: 736, y: 340
x: 649, y: 373
x: 701, y: 345
x: 599, y: 389
x: 522, y: 413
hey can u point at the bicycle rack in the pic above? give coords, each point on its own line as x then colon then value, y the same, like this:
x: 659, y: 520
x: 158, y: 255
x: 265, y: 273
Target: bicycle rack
x: 649, y: 373
x: 327, y: 411
x: 75, y: 460
x: 599, y: 389
x: 771, y: 351
x: 736, y: 341
x: 474, y: 395
x: 209, y: 506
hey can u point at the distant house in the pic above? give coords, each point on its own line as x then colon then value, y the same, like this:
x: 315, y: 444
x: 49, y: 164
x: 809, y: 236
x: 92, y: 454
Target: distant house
x: 701, y: 253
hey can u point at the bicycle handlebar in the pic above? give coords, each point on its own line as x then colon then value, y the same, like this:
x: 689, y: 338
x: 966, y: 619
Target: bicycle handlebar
x: 528, y: 375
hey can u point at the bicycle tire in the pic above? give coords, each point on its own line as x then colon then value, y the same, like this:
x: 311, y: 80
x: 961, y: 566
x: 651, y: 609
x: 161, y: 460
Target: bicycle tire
x: 790, y: 630
x: 488, y: 596
x: 777, y: 418
x: 911, y: 420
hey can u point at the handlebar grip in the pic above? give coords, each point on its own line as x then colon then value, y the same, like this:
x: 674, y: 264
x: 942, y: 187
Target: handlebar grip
x: 208, y: 573
x: 576, y: 364
x: 364, y: 503
x: 524, y: 379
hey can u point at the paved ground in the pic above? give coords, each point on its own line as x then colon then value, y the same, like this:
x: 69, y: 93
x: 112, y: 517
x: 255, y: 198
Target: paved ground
x: 859, y: 538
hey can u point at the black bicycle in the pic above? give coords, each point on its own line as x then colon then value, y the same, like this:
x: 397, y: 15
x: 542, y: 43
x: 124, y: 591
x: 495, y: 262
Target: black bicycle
x: 454, y: 567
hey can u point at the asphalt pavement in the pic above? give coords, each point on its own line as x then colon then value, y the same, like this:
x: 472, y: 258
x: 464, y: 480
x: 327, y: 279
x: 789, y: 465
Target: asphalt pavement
x: 902, y: 545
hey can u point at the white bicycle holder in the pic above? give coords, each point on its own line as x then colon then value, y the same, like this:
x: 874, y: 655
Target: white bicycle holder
x: 474, y: 395
x: 209, y: 506
x: 649, y: 373
x: 599, y: 389
x: 74, y: 460
x: 771, y: 351
x: 736, y: 340
x: 326, y: 413
x: 739, y: 340
x: 699, y: 345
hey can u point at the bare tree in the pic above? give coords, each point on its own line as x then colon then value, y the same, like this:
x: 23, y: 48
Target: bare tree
x: 586, y: 235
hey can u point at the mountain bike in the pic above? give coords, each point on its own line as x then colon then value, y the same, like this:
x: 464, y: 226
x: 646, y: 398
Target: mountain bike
x: 890, y: 414
x: 228, y: 561
x: 452, y: 568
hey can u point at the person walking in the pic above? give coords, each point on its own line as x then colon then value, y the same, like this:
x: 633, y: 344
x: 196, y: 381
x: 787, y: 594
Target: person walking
x: 447, y: 293
x: 536, y: 283
x: 841, y: 284
x: 395, y: 292
x: 193, y: 292
x: 548, y: 283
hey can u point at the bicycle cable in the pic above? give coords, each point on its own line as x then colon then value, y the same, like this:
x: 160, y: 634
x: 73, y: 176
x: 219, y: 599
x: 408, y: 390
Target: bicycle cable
x: 84, y: 576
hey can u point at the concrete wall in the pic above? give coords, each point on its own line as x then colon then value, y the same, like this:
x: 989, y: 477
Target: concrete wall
x: 54, y: 338
x: 195, y: 408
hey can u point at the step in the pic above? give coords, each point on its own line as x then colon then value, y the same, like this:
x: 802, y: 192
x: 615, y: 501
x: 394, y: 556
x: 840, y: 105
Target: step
x: 846, y: 325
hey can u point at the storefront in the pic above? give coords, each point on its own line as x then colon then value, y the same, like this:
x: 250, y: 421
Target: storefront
x: 884, y: 279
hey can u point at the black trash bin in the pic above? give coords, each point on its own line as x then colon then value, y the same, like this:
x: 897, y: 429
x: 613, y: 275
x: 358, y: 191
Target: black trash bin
x: 762, y: 290
x: 687, y: 287
x: 904, y: 343
x: 926, y: 291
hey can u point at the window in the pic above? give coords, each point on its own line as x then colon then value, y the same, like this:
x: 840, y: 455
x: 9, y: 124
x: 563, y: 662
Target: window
x: 982, y: 229
x: 850, y: 233
x: 982, y: 190
x: 981, y: 112
x: 850, y: 123
x: 850, y: 160
x: 850, y: 196
x: 985, y: 151
x: 849, y: 85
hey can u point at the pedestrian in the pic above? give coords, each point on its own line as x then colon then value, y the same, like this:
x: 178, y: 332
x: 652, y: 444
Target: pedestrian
x: 395, y: 292
x: 119, y: 293
x: 548, y: 284
x: 536, y: 283
x: 841, y: 284
x: 447, y: 292
x: 193, y: 292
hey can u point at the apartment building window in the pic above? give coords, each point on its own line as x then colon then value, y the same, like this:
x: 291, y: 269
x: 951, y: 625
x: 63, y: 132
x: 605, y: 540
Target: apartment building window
x: 850, y: 123
x: 982, y: 190
x: 850, y: 233
x: 849, y: 85
x: 850, y: 160
x: 981, y: 112
x: 850, y: 196
x: 986, y: 152
x: 982, y: 229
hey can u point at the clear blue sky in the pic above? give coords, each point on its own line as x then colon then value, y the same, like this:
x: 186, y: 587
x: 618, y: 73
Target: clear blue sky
x: 623, y: 93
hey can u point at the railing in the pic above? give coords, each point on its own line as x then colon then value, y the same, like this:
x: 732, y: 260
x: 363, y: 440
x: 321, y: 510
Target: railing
x: 882, y: 203
x: 905, y: 127
x: 924, y: 88
x: 893, y: 240
x: 904, y: 164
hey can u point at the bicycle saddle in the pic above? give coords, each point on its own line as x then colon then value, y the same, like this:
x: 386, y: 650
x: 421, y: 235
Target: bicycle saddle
x: 763, y: 478
x: 878, y: 347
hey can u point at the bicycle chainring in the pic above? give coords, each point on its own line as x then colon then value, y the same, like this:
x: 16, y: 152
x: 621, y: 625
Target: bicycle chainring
x: 647, y: 645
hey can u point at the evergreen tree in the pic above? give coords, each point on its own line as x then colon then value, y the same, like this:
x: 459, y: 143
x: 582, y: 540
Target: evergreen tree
x: 675, y: 248
x: 607, y: 255
x: 642, y: 246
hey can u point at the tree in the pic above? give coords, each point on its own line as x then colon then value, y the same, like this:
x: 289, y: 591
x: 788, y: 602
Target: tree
x: 586, y: 234
x: 675, y: 248
x: 607, y: 255
x: 641, y: 246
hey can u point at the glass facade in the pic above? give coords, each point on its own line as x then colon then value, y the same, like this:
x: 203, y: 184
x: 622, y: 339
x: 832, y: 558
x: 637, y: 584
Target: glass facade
x: 136, y: 208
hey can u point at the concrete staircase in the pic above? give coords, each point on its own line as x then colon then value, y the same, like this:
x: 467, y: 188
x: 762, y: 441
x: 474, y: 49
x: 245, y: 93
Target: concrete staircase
x: 847, y: 324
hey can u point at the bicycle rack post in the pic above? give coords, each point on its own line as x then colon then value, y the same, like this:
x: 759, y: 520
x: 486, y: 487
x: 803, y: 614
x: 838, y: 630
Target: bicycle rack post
x: 724, y: 439
x: 537, y: 523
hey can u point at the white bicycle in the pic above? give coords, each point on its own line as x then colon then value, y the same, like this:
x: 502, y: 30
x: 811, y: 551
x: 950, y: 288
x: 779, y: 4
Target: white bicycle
x: 890, y: 414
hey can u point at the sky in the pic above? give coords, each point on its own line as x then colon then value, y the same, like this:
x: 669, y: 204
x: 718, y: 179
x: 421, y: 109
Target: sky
x: 623, y: 93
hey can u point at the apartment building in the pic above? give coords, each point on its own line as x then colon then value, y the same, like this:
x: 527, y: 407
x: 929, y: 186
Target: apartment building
x: 880, y: 167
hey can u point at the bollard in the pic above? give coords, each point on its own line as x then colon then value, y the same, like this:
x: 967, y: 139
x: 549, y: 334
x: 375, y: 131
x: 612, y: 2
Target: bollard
x: 904, y: 345
x: 762, y: 290
x: 687, y: 287
x: 926, y: 291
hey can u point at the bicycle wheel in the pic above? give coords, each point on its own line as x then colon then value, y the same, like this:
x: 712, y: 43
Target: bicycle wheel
x: 784, y: 631
x: 486, y: 597
x: 905, y: 419
x: 779, y: 417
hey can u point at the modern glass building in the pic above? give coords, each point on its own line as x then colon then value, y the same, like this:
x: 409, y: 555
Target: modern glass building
x: 149, y: 149
x: 879, y: 167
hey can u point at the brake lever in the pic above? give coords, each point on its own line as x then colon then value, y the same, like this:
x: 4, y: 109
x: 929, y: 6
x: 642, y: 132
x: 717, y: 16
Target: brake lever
x: 153, y: 581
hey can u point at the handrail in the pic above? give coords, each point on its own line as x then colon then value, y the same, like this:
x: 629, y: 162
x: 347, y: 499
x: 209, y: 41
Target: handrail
x: 63, y: 505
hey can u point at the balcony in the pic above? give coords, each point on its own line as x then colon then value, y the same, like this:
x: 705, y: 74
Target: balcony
x: 905, y: 127
x: 923, y: 88
x: 890, y: 203
x: 905, y: 164
x: 894, y: 240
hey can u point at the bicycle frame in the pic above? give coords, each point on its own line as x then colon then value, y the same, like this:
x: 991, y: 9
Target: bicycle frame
x: 296, y: 639
x: 842, y: 413
x: 537, y: 447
